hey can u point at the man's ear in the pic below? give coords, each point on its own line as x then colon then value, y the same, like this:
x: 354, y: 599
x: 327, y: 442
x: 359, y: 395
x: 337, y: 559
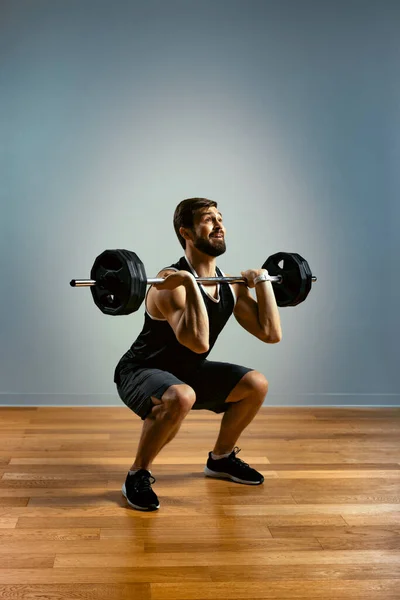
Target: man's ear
x: 186, y: 233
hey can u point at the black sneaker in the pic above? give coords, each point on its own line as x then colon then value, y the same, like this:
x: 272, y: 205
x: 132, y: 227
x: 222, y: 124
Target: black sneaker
x: 137, y: 491
x: 232, y: 468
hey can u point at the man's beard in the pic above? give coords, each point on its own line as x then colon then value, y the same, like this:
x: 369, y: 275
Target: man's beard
x: 214, y: 248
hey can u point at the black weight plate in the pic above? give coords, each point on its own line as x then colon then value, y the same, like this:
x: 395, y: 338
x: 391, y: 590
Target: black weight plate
x: 121, y: 282
x: 308, y: 272
x: 292, y: 288
x: 302, y: 291
x: 105, y: 265
x: 138, y: 281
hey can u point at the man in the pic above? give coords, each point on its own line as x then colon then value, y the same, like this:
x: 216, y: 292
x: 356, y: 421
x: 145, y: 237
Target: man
x: 166, y: 372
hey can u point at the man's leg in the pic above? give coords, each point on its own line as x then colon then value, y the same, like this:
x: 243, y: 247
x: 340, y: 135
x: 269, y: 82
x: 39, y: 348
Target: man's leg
x: 245, y: 400
x: 159, y: 427
x: 163, y: 423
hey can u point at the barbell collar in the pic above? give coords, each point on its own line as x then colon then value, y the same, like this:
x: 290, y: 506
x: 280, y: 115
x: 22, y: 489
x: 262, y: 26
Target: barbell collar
x: 82, y: 282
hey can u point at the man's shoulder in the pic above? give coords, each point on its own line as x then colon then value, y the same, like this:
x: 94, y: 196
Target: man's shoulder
x: 177, y: 266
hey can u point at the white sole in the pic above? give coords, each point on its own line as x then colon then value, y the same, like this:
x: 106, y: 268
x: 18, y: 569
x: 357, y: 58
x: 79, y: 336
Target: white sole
x: 218, y: 475
x: 135, y: 505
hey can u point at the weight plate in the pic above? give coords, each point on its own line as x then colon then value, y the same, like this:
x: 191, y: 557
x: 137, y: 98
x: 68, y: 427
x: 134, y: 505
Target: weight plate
x: 121, y: 282
x: 308, y: 272
x: 294, y: 278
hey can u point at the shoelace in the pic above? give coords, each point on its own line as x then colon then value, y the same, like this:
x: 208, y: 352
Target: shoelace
x: 237, y: 460
x: 143, y: 483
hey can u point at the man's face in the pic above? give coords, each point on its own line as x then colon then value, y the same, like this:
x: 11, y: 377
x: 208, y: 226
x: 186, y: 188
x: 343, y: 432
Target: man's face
x: 209, y: 232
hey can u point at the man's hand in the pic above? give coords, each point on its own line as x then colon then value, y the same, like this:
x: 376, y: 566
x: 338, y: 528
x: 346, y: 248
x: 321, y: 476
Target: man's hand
x: 174, y: 280
x: 251, y: 274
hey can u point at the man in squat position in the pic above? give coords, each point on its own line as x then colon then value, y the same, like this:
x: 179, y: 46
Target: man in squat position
x: 166, y: 373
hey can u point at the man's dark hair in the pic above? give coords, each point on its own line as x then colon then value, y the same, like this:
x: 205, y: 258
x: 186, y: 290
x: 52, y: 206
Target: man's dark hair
x: 184, y: 214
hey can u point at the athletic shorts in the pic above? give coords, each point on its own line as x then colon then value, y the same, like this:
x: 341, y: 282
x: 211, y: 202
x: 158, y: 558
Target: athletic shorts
x: 212, y: 383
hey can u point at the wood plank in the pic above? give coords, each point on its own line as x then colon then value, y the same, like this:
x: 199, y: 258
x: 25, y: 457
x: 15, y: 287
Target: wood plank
x: 124, y: 511
x: 131, y: 574
x: 340, y: 474
x: 197, y: 464
x: 165, y: 521
x: 80, y: 460
x: 354, y: 543
x: 302, y: 573
x: 8, y: 522
x: 219, y: 558
x: 97, y: 547
x: 384, y: 519
x: 73, y: 436
x: 328, y: 589
x: 317, y: 487
x: 36, y: 535
x: 77, y: 522
x: 304, y: 509
x: 57, y: 492
x: 25, y: 560
x: 169, y: 497
x: 202, y: 533
x: 68, y: 591
x: 13, y: 501
x: 51, y: 483
x: 374, y: 533
x: 354, y: 498
x: 231, y: 545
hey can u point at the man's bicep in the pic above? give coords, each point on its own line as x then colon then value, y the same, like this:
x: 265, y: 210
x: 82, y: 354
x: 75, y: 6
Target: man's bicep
x: 171, y: 304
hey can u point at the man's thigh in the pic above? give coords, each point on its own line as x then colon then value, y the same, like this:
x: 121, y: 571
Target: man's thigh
x: 138, y: 385
x: 213, y: 381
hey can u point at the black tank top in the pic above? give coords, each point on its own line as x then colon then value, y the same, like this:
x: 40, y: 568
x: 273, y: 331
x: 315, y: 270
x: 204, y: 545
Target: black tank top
x: 157, y: 346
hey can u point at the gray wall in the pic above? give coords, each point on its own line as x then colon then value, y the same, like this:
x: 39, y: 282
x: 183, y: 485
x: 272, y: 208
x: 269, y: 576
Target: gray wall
x: 285, y: 112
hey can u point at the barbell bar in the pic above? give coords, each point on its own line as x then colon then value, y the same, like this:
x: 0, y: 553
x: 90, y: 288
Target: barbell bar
x: 92, y: 282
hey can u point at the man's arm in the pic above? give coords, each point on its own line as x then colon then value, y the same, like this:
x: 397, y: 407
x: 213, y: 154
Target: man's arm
x: 260, y: 318
x: 180, y: 301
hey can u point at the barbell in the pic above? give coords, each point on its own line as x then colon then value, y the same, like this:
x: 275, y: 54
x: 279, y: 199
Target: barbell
x: 118, y: 280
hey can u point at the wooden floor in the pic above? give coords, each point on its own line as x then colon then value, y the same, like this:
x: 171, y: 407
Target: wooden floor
x: 325, y: 524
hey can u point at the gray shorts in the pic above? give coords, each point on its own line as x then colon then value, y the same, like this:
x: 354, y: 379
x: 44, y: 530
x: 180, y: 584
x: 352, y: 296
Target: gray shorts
x: 212, y: 383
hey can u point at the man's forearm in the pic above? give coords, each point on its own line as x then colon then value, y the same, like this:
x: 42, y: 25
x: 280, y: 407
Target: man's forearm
x: 268, y: 313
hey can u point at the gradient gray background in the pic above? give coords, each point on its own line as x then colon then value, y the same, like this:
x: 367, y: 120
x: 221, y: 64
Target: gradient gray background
x: 285, y: 112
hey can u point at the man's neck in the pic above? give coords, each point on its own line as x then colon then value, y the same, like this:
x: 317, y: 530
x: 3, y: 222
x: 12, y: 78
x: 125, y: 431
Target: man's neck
x: 203, y: 264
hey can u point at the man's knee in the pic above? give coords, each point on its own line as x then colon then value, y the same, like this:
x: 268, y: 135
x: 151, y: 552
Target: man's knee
x: 256, y: 383
x: 252, y: 385
x: 178, y: 400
